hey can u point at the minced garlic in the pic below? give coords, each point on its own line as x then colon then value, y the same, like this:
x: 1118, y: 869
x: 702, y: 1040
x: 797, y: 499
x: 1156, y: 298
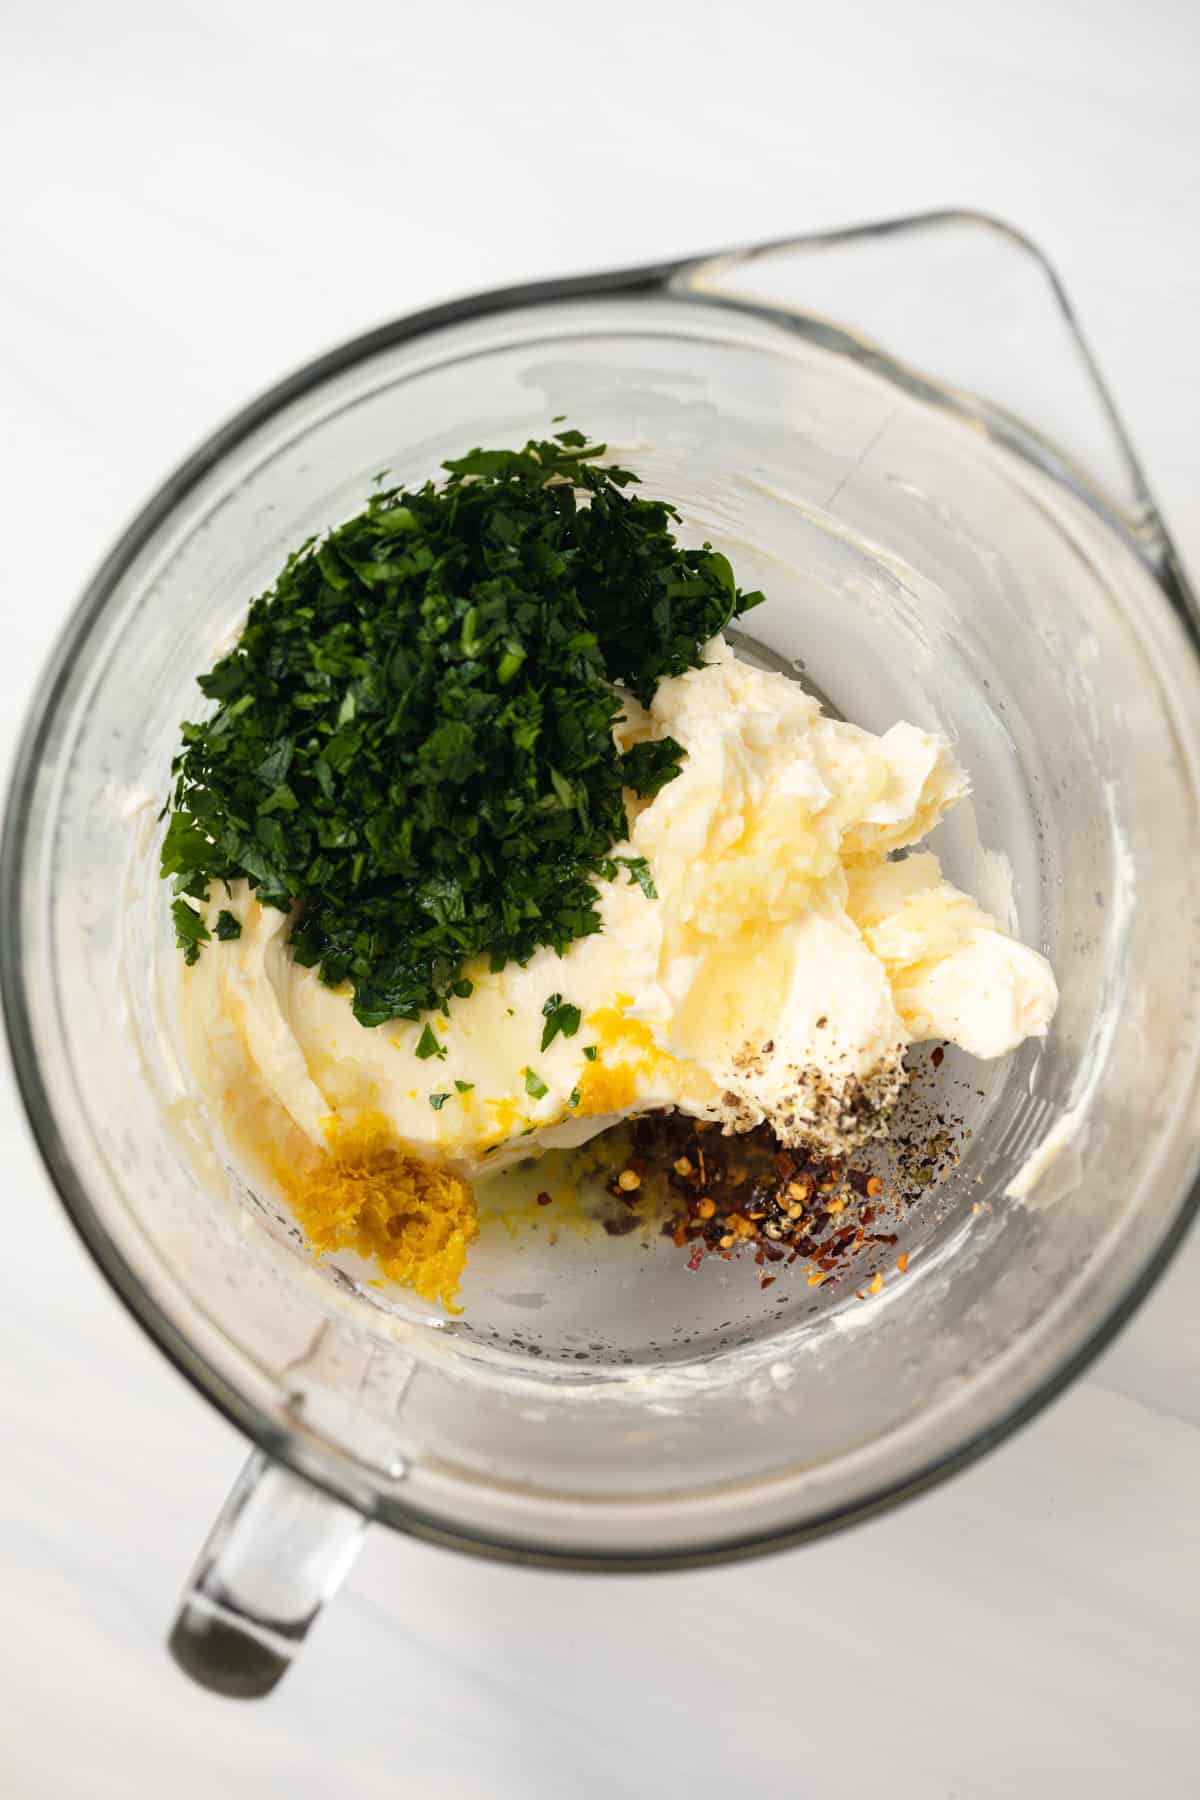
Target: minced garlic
x: 368, y: 1194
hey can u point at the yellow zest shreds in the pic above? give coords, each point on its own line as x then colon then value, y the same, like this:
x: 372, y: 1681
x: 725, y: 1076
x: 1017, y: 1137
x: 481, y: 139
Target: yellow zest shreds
x: 609, y: 1084
x: 606, y: 1090
x: 368, y: 1194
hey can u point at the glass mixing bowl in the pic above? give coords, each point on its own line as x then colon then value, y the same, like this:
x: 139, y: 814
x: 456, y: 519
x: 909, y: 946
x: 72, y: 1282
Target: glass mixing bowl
x: 898, y: 434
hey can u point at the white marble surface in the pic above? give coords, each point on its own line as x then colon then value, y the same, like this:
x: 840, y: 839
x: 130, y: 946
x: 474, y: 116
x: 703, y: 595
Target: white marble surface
x: 196, y: 197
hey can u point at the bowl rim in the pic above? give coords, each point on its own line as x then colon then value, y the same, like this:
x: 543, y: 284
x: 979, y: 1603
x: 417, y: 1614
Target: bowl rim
x: 335, y: 1475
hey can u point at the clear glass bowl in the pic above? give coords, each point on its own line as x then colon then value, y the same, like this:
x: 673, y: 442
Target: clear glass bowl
x: 951, y: 529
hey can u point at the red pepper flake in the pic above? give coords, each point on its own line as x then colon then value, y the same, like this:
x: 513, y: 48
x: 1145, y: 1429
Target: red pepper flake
x: 938, y: 1057
x: 902, y: 1262
x: 544, y: 1199
x: 740, y: 1196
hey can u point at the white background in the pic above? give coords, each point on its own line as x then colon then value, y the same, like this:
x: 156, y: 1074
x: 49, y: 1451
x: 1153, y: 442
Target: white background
x: 195, y: 198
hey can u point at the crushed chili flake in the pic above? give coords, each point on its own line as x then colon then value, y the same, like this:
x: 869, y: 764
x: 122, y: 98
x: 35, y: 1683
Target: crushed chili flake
x: 746, y: 1192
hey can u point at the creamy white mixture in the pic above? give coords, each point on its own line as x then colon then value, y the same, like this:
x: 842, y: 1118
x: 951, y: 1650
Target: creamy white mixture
x: 786, y: 964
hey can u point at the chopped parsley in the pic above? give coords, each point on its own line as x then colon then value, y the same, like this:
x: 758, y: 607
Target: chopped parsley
x: 648, y: 767
x: 427, y: 1044
x: 411, y: 742
x: 227, y: 925
x: 561, y: 1016
x: 437, y: 1101
x: 534, y: 1084
x: 639, y: 871
x: 591, y: 1051
x: 190, y: 930
x: 573, y: 1097
x: 464, y: 1087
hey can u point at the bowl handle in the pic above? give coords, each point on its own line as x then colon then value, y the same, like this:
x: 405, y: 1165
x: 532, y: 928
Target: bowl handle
x: 964, y: 311
x: 279, y: 1549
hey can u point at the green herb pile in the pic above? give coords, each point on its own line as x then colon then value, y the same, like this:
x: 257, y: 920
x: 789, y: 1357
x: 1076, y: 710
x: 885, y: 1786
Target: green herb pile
x: 413, y: 736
